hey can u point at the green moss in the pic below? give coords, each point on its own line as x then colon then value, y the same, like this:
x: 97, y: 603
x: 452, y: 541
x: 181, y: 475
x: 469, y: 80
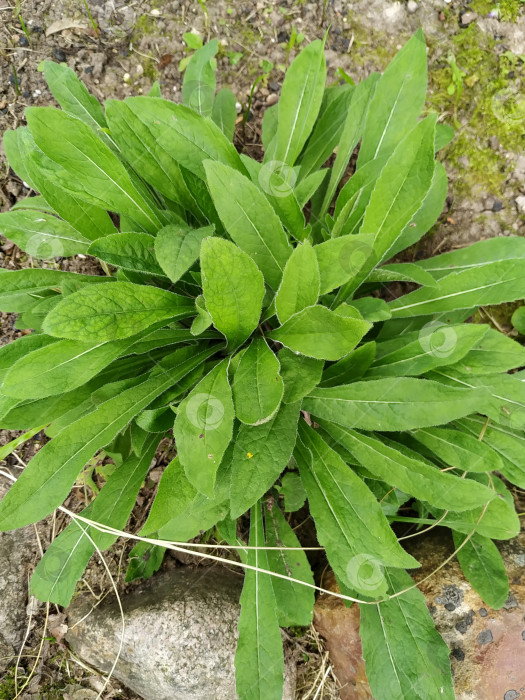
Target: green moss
x: 150, y: 69
x: 144, y: 25
x: 508, y: 9
x: 7, y: 685
x: 475, y: 88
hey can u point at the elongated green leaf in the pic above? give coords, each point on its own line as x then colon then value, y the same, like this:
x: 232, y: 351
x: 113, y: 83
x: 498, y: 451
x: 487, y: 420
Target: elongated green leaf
x: 403, y: 651
x: 459, y: 449
x: 130, y: 250
x: 398, y: 100
x: 401, y: 272
x: 349, y: 520
x: 90, y: 162
x: 300, y: 284
x: 257, y: 387
x: 295, y: 603
x: 198, y: 86
x: 167, y: 336
x: 185, y: 134
x: 17, y: 349
x: 110, y: 312
x: 476, y: 255
x: 42, y: 173
x: 72, y: 95
x: 494, y: 353
x: 340, y: 259
x: 46, y: 481
x: 249, y: 219
x: 56, y: 574
x: 411, y: 475
x: 301, y: 98
x: 224, y: 112
x: 260, y: 454
x: 42, y: 235
x: 418, y: 352
x: 179, y: 511
x: 33, y: 202
x: 484, y: 568
x: 292, y: 490
x: 203, y: 428
x: 178, y: 247
x: 509, y: 444
x: 300, y: 374
x: 318, y: 332
x: 351, y: 367
x: 259, y: 660
x: 351, y: 134
x: 233, y: 289
x: 328, y: 127
x: 394, y: 403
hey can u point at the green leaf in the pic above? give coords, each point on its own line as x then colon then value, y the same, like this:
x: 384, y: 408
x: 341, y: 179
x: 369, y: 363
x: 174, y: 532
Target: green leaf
x: 371, y: 309
x: 294, y: 602
x: 59, y: 368
x: 476, y: 255
x: 509, y: 444
x: 260, y: 454
x: 17, y: 349
x: 198, y: 86
x: 418, y: 352
x: 42, y: 235
x: 398, y: 101
x: 401, y: 272
x: 62, y: 565
x: 483, y: 566
x: 257, y: 386
x: 351, y: 367
x: 178, y: 247
x: 46, y: 481
x: 110, y: 312
x: 340, y: 259
x: 518, y: 320
x: 259, y: 660
x: 203, y: 428
x: 292, y: 490
x: 179, y: 511
x: 300, y: 101
x: 72, y: 95
x: 459, y: 449
x: 318, y: 332
x: 300, y: 284
x: 185, y: 134
x: 233, y: 289
x: 130, y: 250
x: 90, y: 163
x: 492, y: 283
x: 351, y: 134
x: 394, y: 403
x: 203, y: 320
x: 349, y: 521
x: 144, y: 560
x: 300, y: 374
x: 414, y: 476
x: 402, y: 649
x: 249, y: 219
x: 224, y: 113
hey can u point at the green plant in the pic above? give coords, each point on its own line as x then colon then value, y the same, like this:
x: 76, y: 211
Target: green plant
x: 248, y: 313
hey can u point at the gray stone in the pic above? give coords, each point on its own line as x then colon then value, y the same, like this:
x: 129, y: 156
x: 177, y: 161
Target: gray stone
x: 467, y: 18
x: 17, y: 552
x: 412, y: 6
x: 520, y: 203
x: 179, y: 640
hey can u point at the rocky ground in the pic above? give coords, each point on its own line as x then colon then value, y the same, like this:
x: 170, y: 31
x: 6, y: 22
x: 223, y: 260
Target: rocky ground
x: 119, y: 48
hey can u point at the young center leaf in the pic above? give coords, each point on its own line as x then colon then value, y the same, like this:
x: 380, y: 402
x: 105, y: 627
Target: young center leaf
x: 257, y: 385
x: 300, y: 284
x: 233, y: 289
x: 203, y: 428
x: 178, y: 247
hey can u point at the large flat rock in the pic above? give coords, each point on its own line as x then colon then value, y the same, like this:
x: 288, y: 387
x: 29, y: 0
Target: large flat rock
x: 179, y: 640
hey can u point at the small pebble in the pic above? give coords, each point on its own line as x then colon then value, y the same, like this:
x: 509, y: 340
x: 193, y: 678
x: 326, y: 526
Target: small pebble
x: 155, y: 12
x: 498, y: 205
x: 126, y: 77
x: 412, y: 6
x: 483, y: 612
x: 238, y: 107
x: 485, y: 637
x: 37, y: 93
x: 467, y: 18
x: 59, y: 55
x: 22, y: 40
x: 274, y: 87
x: 520, y: 203
x: 489, y: 203
x: 272, y: 99
x: 494, y: 143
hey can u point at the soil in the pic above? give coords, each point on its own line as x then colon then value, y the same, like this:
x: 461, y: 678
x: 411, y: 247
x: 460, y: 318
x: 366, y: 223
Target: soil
x: 120, y: 48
